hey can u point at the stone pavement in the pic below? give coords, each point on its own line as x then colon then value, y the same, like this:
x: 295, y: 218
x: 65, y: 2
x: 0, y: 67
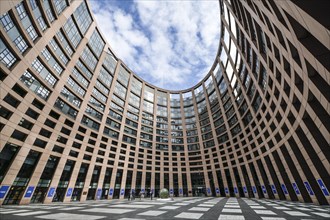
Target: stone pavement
x: 204, y: 208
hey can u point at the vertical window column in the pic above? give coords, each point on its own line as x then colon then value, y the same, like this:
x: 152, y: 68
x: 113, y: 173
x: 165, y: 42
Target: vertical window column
x: 60, y: 193
x: 80, y: 182
x: 45, y: 179
x: 22, y: 179
x: 13, y: 32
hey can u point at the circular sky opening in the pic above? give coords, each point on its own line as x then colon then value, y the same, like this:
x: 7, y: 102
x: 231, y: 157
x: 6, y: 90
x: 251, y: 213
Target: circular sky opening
x: 170, y: 44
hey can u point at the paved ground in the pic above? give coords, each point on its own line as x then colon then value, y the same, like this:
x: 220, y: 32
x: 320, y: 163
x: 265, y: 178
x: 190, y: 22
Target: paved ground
x: 203, y: 208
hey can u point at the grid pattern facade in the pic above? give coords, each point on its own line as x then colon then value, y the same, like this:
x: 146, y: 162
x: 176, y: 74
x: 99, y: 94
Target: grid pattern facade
x: 77, y: 124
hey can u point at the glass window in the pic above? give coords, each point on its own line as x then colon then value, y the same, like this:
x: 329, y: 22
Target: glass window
x: 232, y: 25
x: 84, y: 69
x: 101, y: 87
x: 25, y: 21
x: 225, y: 9
x: 209, y: 143
x: 65, y: 108
x: 20, y: 44
x: 233, y: 81
x: 118, y: 100
x: 13, y: 33
x: 7, y: 156
x: 134, y: 100
x: 120, y: 90
x: 146, y: 136
x: 161, y: 98
x: 72, y: 32
x: 161, y: 139
x: 213, y: 98
x: 105, y: 77
x: 129, y: 139
x: 116, y: 107
x: 161, y: 111
x: 130, y: 131
x: 223, y: 57
x: 131, y: 123
x: 92, y: 112
x: 98, y: 105
x: 48, y: 11
x: 209, y: 85
x: 133, y: 109
x: 33, y: 84
x: 136, y: 86
x: 149, y: 93
x: 75, y: 87
x: 192, y: 139
x: 64, y: 43
x: 43, y: 72
x: 58, y: 51
x: 60, y: 5
x: 123, y: 76
x: 6, y: 21
x: 175, y: 112
x: 32, y: 32
x: 89, y: 58
x: 226, y: 38
x: 199, y: 93
x: 38, y: 15
x: 201, y: 106
x: 96, y: 43
x: 147, y: 129
x: 110, y: 62
x: 148, y: 106
x: 223, y: 87
x: 132, y: 116
x: 217, y: 73
x: 115, y: 115
x: 99, y: 95
x: 51, y: 61
x: 6, y: 57
x: 113, y: 124
x: 161, y: 132
x: 71, y: 97
x: 145, y: 144
x: 187, y: 99
x: 175, y: 100
x: 189, y: 111
x: 80, y: 77
x: 25, y: 173
x: 90, y: 123
x: 83, y: 17
x: 111, y: 133
x: 21, y: 11
x: 233, y: 50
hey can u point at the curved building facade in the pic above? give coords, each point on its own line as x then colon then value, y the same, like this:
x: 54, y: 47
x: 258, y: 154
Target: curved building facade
x: 77, y: 124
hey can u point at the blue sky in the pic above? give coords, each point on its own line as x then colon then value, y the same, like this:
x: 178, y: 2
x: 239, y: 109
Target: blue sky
x: 171, y: 44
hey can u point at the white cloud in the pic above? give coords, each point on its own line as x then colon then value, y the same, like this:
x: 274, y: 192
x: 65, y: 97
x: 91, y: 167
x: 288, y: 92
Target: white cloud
x: 171, y: 44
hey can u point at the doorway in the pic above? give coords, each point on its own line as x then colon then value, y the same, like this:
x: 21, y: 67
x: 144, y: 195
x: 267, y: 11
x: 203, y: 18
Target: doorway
x: 198, y: 184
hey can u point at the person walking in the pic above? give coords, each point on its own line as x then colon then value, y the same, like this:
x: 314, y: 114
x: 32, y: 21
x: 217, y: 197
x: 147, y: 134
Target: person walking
x: 133, y: 195
x: 150, y: 194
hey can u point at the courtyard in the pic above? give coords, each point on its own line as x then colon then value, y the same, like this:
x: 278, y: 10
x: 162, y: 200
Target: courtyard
x: 207, y: 208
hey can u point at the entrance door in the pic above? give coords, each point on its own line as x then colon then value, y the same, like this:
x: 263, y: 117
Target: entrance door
x: 39, y: 195
x: 59, y: 194
x: 14, y: 195
x: 198, y: 184
x: 76, y: 194
x: 199, y: 191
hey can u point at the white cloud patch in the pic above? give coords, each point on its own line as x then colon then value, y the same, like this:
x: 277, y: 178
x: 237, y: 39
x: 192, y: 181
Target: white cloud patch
x: 171, y: 44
